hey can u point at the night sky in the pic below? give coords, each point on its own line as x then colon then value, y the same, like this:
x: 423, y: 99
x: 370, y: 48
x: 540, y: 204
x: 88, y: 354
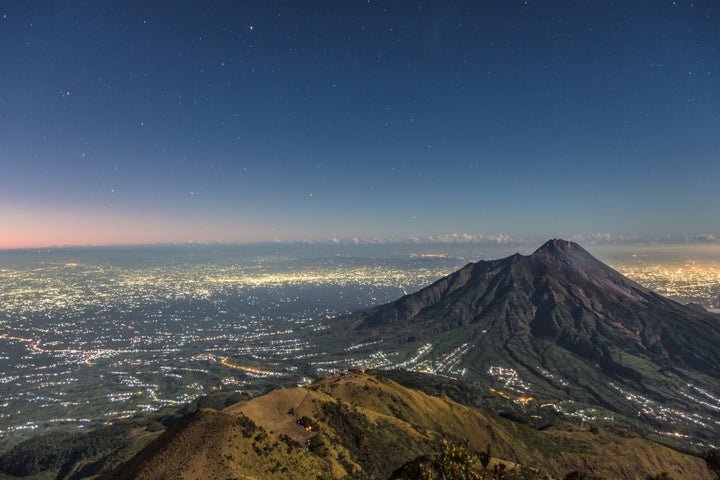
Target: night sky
x: 245, y: 121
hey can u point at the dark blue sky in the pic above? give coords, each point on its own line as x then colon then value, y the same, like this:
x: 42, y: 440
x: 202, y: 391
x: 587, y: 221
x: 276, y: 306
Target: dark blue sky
x: 136, y: 122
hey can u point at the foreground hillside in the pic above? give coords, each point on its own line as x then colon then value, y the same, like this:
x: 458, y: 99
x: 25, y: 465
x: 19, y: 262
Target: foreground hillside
x: 365, y: 426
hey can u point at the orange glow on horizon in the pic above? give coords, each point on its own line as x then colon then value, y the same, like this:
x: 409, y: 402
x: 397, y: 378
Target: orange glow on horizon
x: 22, y: 228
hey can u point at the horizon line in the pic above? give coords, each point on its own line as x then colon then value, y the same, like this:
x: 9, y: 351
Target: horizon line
x: 447, y: 239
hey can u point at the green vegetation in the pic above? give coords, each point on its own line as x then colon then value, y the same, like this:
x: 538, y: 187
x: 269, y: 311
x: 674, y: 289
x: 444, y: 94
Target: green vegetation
x: 376, y: 446
x: 248, y: 427
x: 63, y: 451
x: 215, y: 401
x: 580, y: 475
x: 660, y: 476
x: 454, y: 462
x: 712, y: 460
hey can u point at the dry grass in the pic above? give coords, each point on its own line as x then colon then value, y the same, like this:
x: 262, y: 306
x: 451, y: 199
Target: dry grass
x: 355, y: 415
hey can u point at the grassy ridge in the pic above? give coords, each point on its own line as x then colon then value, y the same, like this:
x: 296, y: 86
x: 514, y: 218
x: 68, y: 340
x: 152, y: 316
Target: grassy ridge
x: 362, y: 426
x: 366, y: 426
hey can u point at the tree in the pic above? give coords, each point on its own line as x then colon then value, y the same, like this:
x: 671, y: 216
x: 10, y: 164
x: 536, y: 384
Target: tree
x: 484, y: 457
x: 659, y: 476
x: 454, y: 462
x: 579, y: 475
x: 712, y: 460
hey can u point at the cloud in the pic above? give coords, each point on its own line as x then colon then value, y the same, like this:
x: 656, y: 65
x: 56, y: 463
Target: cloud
x: 449, y: 238
x: 467, y: 238
x: 603, y: 238
x: 667, y: 239
x: 703, y: 238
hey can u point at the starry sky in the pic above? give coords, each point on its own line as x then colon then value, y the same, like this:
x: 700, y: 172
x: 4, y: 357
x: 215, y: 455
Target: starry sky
x: 250, y: 121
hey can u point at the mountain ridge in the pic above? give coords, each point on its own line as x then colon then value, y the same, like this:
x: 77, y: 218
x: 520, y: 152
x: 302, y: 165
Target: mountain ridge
x: 359, y: 425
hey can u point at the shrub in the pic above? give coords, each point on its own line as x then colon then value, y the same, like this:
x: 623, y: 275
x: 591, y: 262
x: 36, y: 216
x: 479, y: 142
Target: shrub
x: 712, y: 460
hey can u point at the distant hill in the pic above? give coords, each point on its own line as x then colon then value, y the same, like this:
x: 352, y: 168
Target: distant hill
x: 565, y: 329
x: 358, y: 425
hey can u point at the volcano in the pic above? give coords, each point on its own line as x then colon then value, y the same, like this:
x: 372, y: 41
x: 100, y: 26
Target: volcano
x: 564, y: 327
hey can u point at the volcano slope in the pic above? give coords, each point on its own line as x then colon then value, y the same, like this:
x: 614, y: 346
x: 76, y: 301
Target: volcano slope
x: 560, y: 331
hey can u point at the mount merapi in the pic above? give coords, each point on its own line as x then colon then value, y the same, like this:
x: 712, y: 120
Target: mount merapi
x: 568, y: 331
